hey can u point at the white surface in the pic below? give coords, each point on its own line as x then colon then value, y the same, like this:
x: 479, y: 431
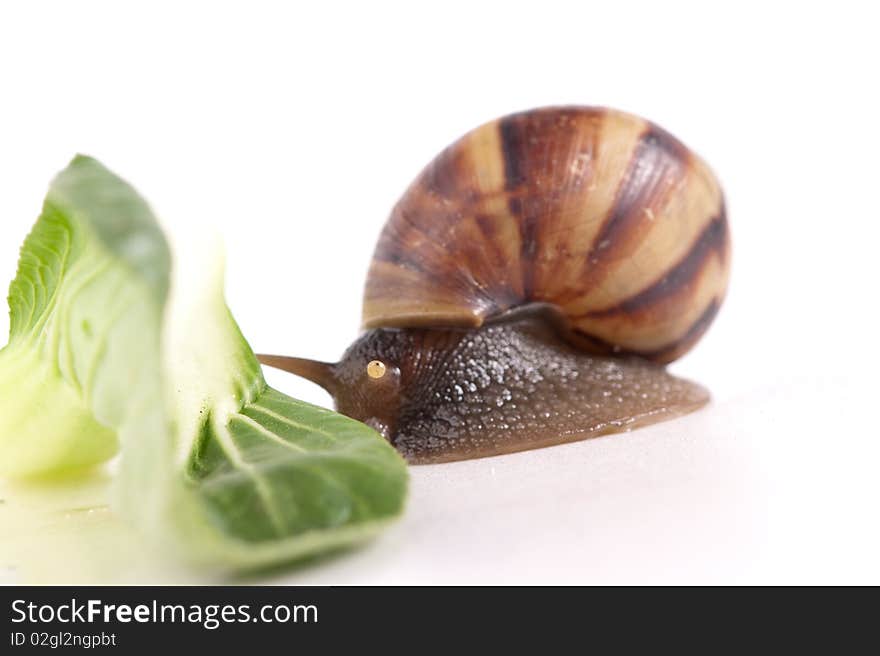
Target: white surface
x: 292, y: 132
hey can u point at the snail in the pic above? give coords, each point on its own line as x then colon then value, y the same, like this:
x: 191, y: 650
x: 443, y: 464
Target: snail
x: 530, y: 286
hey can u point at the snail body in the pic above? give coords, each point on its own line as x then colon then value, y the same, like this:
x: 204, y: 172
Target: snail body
x: 529, y: 286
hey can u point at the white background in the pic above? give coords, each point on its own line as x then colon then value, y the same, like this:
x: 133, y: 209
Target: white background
x: 291, y: 128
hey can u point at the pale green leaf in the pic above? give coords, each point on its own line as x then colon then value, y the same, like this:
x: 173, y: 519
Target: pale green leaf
x: 214, y: 462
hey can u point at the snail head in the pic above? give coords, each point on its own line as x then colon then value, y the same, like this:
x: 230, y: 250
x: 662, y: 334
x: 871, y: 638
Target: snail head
x: 366, y: 384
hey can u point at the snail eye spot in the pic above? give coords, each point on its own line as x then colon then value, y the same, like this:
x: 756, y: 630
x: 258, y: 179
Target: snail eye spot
x: 376, y: 369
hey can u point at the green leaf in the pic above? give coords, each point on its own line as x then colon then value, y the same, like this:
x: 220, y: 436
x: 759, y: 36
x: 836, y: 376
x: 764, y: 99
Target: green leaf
x: 278, y: 478
x: 214, y: 462
x: 85, y: 310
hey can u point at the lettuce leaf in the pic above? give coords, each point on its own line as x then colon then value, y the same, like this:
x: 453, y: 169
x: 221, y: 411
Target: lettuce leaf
x: 214, y: 462
x: 85, y: 309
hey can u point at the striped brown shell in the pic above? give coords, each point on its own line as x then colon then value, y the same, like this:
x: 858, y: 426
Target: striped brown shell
x: 599, y: 213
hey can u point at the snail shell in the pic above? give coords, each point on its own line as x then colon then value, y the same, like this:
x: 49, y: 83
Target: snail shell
x: 600, y: 214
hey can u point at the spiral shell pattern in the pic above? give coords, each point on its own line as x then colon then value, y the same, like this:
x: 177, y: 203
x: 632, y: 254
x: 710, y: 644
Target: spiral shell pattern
x: 599, y: 213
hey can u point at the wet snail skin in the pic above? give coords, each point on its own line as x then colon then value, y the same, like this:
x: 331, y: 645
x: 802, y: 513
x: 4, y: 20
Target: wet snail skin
x: 531, y: 284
